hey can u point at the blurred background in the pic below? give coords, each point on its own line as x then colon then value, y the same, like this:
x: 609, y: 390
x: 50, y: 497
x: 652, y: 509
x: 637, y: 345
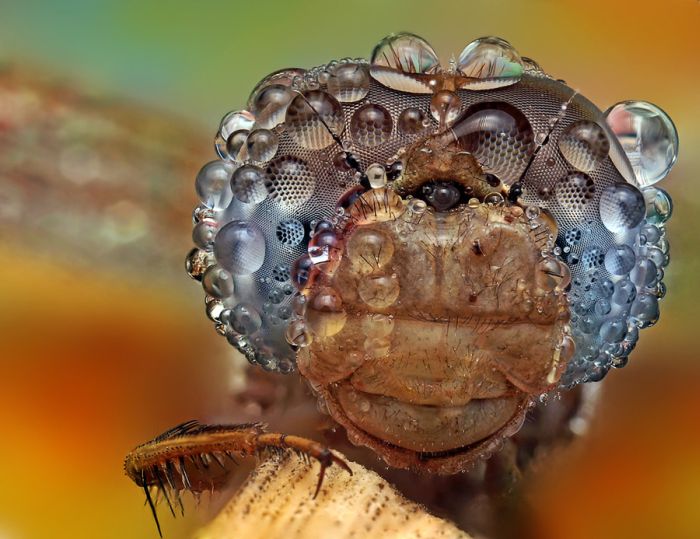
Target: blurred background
x: 107, y: 111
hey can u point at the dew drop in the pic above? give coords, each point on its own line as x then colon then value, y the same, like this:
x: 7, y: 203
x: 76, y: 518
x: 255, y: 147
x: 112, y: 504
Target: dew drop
x: 621, y: 207
x: 349, y: 82
x: 371, y: 125
x: 489, y: 62
x: 240, y: 247
x: 213, y: 184
x: 313, y: 118
x: 248, y: 184
x: 584, y: 145
x: 647, y: 136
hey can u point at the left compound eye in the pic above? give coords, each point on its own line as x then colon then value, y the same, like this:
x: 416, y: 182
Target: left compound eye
x: 442, y: 196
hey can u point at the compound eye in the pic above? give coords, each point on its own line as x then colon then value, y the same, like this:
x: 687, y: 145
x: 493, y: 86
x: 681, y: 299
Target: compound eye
x: 442, y: 196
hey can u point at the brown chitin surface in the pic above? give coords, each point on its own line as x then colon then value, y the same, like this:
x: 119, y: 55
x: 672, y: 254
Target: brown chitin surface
x: 432, y: 331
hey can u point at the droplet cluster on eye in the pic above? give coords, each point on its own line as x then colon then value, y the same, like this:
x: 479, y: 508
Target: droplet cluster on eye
x: 319, y: 148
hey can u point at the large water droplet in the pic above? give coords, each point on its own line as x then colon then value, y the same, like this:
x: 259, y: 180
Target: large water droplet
x: 499, y: 136
x: 659, y: 205
x: 248, y: 184
x: 313, y: 118
x: 584, y: 145
x: 621, y: 207
x: 349, y: 82
x: 270, y: 105
x: 371, y: 125
x: 213, y: 184
x: 404, y: 62
x: 647, y: 136
x: 234, y: 121
x: 325, y: 250
x: 240, y: 247
x: 489, y: 62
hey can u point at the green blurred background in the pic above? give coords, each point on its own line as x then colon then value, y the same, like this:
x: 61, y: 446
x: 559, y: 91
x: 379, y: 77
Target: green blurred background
x: 108, y: 109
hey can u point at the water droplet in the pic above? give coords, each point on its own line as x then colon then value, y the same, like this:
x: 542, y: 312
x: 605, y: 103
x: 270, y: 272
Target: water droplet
x: 644, y: 273
x: 379, y: 291
x: 240, y: 247
x: 218, y: 282
x: 621, y: 207
x: 371, y: 125
x: 651, y: 233
x: 270, y: 104
x: 619, y: 260
x: 213, y: 184
x: 494, y: 199
x: 499, y: 136
x: 369, y: 250
x: 325, y: 250
x: 290, y: 181
x: 235, y: 121
x: 324, y: 314
x: 298, y: 335
x: 584, y: 145
x: 262, y: 145
x: 313, y: 118
x: 624, y: 293
x: 404, y: 62
x: 248, y: 184
x: 444, y: 107
x: 349, y: 82
x: 376, y: 175
x: 235, y: 143
x: 245, y: 319
x: 302, y: 271
x: 411, y: 121
x: 489, y: 62
x: 613, y: 331
x: 204, y: 232
x: 647, y: 136
x: 646, y: 310
x: 196, y: 263
x: 553, y: 274
x: 659, y: 205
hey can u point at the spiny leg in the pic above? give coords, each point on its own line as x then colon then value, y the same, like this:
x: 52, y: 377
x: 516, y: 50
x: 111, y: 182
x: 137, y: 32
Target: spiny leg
x: 179, y: 458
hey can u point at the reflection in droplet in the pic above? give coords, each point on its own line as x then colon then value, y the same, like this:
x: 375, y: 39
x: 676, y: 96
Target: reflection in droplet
x: 240, y: 247
x: 619, y: 260
x: 371, y: 125
x: 444, y: 107
x: 248, y: 184
x: 379, y: 291
x: 621, y: 207
x: 659, y: 205
x: 404, y: 62
x: 647, y: 136
x: 213, y: 184
x: 349, y: 82
x: 369, y: 250
x: 490, y: 62
x: 313, y: 118
x: 218, y: 282
x: 411, y: 121
x: 324, y: 314
x: 245, y: 319
x: 499, y: 136
x: 261, y: 145
x: 584, y: 145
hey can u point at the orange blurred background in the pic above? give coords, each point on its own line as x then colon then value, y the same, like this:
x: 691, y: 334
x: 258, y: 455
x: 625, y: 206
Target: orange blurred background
x: 107, y: 111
